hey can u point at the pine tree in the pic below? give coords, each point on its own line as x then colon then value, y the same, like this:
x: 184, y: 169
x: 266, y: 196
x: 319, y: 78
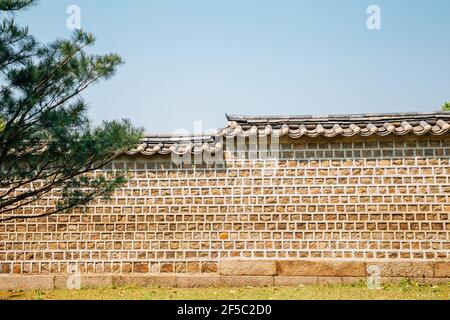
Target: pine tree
x: 47, y: 142
x: 446, y: 106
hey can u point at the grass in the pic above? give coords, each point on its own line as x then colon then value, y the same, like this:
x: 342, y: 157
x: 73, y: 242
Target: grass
x: 405, y: 290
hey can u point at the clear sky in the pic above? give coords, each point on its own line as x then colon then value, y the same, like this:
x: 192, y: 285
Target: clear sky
x: 195, y: 60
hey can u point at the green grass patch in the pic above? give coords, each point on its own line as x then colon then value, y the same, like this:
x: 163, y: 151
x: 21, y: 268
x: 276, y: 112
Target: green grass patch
x: 405, y: 290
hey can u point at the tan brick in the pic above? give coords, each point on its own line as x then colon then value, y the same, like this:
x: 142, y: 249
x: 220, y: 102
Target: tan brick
x: 442, y: 269
x: 5, y: 268
x: 247, y: 268
x: 17, y: 269
x: 203, y: 281
x: 329, y: 280
x: 167, y: 268
x: 197, y: 281
x: 86, y: 281
x: 321, y: 268
x: 208, y: 267
x: 127, y: 268
x: 193, y: 267
x: 405, y: 269
x: 223, y: 236
x: 34, y: 282
x: 253, y: 281
x: 145, y: 280
x: 287, y: 281
x: 141, y: 267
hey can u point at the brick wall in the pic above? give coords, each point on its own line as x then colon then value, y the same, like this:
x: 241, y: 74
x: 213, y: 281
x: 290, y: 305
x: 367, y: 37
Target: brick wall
x: 360, y: 199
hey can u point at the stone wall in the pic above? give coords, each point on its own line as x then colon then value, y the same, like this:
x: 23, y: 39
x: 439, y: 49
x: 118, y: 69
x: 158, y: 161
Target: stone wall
x: 366, y: 200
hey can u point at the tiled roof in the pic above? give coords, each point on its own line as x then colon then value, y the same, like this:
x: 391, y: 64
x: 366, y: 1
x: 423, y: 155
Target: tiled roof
x: 436, y: 123
x: 166, y: 144
x: 433, y: 123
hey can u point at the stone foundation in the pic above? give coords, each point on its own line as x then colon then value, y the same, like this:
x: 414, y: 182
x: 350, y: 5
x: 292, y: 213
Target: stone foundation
x: 239, y: 273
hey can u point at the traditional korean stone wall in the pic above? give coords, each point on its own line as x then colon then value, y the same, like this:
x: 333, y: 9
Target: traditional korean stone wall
x: 344, y: 199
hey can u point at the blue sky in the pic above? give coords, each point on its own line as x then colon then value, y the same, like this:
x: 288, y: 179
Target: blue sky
x: 195, y: 60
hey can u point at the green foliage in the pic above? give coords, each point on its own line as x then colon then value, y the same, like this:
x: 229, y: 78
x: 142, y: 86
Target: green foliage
x: 390, y: 291
x: 407, y: 284
x: 47, y: 141
x: 446, y: 106
x: 39, y: 295
x: 14, y: 5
